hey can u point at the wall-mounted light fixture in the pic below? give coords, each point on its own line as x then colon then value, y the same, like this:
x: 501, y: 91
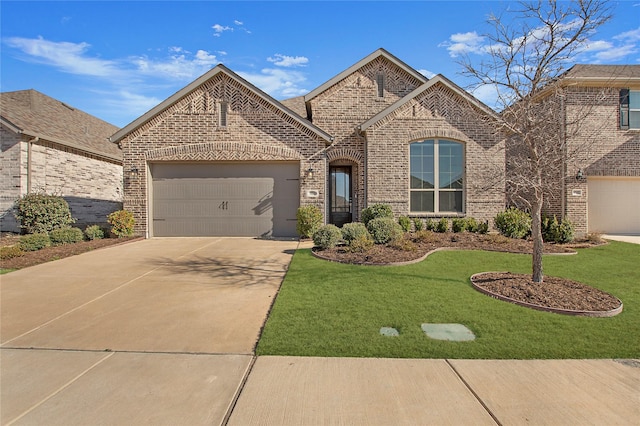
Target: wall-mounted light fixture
x: 309, y: 174
x: 133, y: 172
x: 580, y: 174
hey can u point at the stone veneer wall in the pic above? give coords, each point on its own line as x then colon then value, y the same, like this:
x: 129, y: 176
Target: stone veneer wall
x: 189, y: 130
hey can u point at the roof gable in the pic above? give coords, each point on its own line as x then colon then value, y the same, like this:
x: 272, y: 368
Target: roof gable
x: 211, y: 74
x: 358, y: 65
x: 38, y: 115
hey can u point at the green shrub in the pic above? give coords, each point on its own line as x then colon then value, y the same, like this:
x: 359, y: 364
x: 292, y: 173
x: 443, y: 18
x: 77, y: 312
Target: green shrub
x: 405, y: 223
x: 354, y: 230
x: 483, y: 227
x: 471, y: 224
x: 403, y: 244
x: 40, y: 213
x: 9, y: 252
x: 384, y: 229
x: 122, y: 223
x: 458, y: 224
x: 94, y: 232
x: 425, y: 236
x: 361, y: 244
x: 309, y: 220
x: 327, y: 236
x: 418, y: 224
x: 557, y: 232
x: 430, y: 225
x: 513, y: 223
x: 34, y: 242
x: 66, y: 235
x: 442, y: 225
x: 376, y: 211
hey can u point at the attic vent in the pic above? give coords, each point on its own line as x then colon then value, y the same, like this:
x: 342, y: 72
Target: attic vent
x: 224, y: 108
x: 380, y: 81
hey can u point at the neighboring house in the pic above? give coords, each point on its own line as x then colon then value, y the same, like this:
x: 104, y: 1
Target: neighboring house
x: 599, y: 188
x: 221, y: 157
x: 49, y: 146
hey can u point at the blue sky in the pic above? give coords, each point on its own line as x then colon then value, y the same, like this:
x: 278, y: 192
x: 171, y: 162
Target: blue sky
x: 116, y: 60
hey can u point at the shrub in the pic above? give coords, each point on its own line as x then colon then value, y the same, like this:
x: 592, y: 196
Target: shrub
x: 418, y: 224
x: 40, y: 213
x: 405, y: 223
x: 66, y: 235
x: 376, y: 211
x: 557, y: 232
x: 384, y: 229
x: 9, y: 252
x: 471, y: 224
x: 361, y: 244
x: 309, y: 220
x: 442, y: 225
x: 430, y: 225
x: 403, y: 244
x: 513, y: 223
x: 354, y: 230
x: 94, y: 232
x: 425, y: 236
x: 34, y: 242
x: 483, y: 227
x: 458, y: 224
x: 121, y: 222
x: 327, y: 236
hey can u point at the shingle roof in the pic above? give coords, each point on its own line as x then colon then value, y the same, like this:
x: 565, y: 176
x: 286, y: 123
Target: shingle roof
x: 603, y: 71
x: 36, y: 114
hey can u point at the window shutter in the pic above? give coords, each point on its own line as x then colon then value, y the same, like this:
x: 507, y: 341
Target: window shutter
x: 624, y: 109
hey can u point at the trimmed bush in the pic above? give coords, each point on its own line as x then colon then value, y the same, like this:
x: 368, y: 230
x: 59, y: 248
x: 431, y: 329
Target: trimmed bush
x: 513, y: 223
x: 66, y: 235
x: 122, y: 223
x: 41, y: 213
x: 442, y: 225
x: 9, y: 252
x: 483, y: 227
x: 471, y: 224
x: 376, y: 211
x: 309, y: 220
x: 418, y: 224
x: 94, y: 232
x: 34, y: 242
x: 557, y: 232
x: 361, y: 244
x: 327, y: 236
x: 425, y: 236
x: 403, y: 244
x: 430, y: 225
x: 405, y: 223
x: 384, y: 229
x: 458, y: 224
x: 354, y: 230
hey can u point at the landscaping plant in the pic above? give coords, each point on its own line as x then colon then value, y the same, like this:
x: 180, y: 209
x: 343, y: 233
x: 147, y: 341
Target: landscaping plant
x: 442, y: 225
x: 405, y: 223
x: 41, y: 213
x: 309, y: 219
x: 122, y: 223
x: 458, y: 224
x: 34, y: 242
x: 418, y: 224
x: 94, y: 232
x: 354, y: 230
x: 384, y: 229
x: 513, y: 223
x: 327, y: 236
x: 376, y: 211
x: 66, y: 235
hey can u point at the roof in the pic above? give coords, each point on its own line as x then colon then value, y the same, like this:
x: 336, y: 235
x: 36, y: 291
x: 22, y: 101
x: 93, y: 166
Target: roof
x: 360, y: 64
x: 176, y: 97
x: 616, y: 72
x: 296, y: 104
x: 420, y: 89
x: 38, y: 115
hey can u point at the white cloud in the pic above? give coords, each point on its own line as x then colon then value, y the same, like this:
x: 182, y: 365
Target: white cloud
x: 219, y: 29
x: 487, y: 94
x: 238, y: 23
x: 596, y: 46
x: 69, y: 57
x: 616, y: 54
x: 462, y: 43
x: 288, y: 61
x: 426, y: 73
x: 182, y: 65
x: 277, y: 82
x: 633, y: 35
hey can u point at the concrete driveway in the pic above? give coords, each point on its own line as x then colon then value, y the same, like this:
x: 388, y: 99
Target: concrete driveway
x: 157, y: 331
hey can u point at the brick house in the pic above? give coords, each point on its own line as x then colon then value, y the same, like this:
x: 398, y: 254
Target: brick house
x: 50, y: 146
x: 221, y: 157
x: 598, y: 188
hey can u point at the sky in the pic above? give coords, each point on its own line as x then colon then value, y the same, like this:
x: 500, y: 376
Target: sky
x: 118, y: 59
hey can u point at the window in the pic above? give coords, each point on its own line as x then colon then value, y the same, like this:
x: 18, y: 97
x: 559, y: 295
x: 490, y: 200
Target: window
x: 437, y: 176
x: 380, y: 82
x: 224, y: 107
x: 629, y: 109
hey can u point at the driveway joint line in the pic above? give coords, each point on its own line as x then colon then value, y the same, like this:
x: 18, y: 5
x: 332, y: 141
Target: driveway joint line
x: 63, y: 387
x: 124, y: 351
x: 236, y: 397
x: 473, y: 392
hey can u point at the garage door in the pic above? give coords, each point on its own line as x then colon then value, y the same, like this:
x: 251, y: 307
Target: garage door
x: 614, y: 205
x: 225, y: 199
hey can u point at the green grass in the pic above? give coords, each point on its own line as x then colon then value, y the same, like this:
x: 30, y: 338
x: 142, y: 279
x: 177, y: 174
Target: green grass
x: 330, y: 309
x: 5, y: 271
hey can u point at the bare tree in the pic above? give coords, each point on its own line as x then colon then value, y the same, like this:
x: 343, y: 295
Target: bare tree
x: 526, y: 57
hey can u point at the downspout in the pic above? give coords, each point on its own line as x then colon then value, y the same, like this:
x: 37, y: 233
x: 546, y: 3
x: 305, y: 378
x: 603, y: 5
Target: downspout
x: 365, y: 167
x: 29, y: 145
x: 563, y: 199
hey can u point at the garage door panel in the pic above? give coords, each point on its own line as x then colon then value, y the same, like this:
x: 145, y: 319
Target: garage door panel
x: 225, y: 199
x: 614, y: 205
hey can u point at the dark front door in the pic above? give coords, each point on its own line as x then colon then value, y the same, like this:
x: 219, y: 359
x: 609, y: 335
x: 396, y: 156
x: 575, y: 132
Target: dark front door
x: 340, y: 194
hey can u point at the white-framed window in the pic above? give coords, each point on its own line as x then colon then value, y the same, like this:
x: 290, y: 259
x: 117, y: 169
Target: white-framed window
x: 629, y: 109
x: 436, y: 176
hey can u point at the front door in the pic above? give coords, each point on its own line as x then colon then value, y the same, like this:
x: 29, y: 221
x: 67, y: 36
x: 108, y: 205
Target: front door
x: 340, y: 195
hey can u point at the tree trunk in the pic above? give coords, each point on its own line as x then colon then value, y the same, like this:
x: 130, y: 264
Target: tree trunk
x: 536, y: 235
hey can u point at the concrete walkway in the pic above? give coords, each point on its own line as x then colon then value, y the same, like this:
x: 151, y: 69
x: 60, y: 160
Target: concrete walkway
x: 162, y: 332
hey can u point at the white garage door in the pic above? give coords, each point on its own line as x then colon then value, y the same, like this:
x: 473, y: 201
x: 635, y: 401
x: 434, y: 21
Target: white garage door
x: 225, y: 199
x: 614, y: 205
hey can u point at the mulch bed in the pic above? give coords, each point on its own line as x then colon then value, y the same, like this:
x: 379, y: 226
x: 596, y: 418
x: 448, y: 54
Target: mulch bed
x: 555, y: 294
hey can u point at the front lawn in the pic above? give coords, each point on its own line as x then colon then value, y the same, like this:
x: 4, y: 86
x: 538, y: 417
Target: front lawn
x: 331, y: 309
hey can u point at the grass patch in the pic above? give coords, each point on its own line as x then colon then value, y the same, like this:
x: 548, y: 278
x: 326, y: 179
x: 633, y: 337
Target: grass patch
x: 330, y: 309
x: 5, y: 271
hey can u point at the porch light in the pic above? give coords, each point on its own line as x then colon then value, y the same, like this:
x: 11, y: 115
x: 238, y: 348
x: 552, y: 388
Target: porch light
x: 133, y: 172
x: 309, y: 173
x: 580, y: 174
